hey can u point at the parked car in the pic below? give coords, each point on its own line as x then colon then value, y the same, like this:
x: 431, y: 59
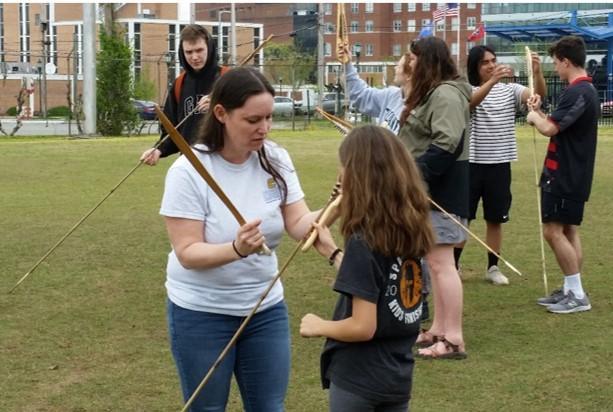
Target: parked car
x: 606, y: 108
x: 145, y: 109
x: 284, y: 106
x: 329, y: 104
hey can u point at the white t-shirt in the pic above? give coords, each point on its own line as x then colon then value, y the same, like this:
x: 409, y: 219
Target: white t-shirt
x: 492, y: 130
x: 234, y: 288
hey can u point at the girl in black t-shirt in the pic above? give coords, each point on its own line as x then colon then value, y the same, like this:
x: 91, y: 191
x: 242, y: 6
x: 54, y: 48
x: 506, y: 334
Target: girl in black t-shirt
x: 367, y: 362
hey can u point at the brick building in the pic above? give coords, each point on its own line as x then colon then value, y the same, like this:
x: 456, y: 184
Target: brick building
x: 385, y: 30
x: 152, y: 30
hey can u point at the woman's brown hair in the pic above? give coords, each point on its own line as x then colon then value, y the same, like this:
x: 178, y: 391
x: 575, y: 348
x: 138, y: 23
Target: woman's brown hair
x: 232, y: 91
x: 384, y: 198
x: 434, y: 66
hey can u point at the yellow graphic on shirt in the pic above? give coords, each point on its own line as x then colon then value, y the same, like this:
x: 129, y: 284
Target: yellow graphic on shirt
x: 410, y: 283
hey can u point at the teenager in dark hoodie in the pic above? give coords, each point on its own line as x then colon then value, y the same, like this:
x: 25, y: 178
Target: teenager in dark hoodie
x: 198, y: 57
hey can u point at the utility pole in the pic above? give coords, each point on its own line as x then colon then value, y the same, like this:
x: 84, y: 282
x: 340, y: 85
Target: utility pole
x: 233, y: 29
x: 320, y: 52
x: 89, y: 67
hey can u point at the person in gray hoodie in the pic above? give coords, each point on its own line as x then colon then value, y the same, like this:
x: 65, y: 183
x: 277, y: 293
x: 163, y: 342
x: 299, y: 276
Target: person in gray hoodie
x: 385, y: 104
x: 435, y: 129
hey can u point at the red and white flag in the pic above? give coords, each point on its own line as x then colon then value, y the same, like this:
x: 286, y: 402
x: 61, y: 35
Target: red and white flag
x: 445, y: 10
x: 478, y: 34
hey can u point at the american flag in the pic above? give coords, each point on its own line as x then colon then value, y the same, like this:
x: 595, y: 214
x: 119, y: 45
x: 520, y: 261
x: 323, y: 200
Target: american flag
x: 444, y: 10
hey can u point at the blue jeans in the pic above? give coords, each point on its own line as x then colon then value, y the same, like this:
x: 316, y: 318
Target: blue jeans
x: 260, y: 359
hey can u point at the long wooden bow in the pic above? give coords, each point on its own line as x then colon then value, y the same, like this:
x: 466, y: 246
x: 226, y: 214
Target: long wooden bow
x: 342, y: 125
x: 530, y: 73
x: 186, y: 150
x: 341, y: 29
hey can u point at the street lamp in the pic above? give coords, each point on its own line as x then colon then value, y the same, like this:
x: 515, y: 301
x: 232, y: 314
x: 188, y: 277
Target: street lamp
x: 169, y: 58
x: 281, y: 86
x: 357, y: 49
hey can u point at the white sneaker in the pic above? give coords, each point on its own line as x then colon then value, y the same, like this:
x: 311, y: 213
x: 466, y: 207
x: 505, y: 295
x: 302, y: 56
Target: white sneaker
x: 494, y: 275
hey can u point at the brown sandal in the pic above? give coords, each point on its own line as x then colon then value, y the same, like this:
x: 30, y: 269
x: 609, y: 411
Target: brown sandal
x: 451, y: 351
x: 427, y: 339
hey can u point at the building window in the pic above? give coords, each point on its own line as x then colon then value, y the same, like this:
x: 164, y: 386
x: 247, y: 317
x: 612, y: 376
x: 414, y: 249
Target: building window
x: 355, y: 26
x: 2, y: 32
x: 397, y: 7
x: 328, y: 9
x: 328, y: 49
x: 411, y: 26
x: 257, y: 38
x: 397, y: 25
x: 440, y: 25
x: 469, y: 45
x: 370, y: 50
x: 425, y: 6
x: 355, y: 8
x: 471, y: 5
x: 454, y: 48
x: 369, y: 7
x: 24, y: 32
x: 172, y: 48
x: 369, y: 26
x: 411, y: 7
x: 425, y: 22
x: 53, y: 51
x: 396, y: 50
x: 330, y: 28
x: 455, y: 23
x: 136, y: 46
x: 471, y: 23
x: 78, y: 31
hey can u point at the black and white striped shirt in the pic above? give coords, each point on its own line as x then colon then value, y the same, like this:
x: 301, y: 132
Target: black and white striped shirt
x: 492, y: 130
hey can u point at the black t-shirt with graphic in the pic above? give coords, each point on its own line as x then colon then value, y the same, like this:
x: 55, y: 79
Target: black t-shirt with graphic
x: 380, y: 369
x: 569, y: 163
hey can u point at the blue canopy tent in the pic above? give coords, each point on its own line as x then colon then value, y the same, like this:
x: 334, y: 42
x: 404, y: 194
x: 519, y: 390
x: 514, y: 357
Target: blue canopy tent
x: 550, y: 32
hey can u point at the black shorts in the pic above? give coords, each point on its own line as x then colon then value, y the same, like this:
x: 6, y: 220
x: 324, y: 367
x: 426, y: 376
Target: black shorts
x: 560, y: 210
x: 492, y: 183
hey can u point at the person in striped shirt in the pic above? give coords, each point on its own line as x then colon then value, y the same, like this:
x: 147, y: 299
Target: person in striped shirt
x: 492, y: 144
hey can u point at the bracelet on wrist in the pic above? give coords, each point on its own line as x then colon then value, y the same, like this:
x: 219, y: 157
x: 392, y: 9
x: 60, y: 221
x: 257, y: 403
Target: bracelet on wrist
x: 237, y: 252
x: 333, y: 255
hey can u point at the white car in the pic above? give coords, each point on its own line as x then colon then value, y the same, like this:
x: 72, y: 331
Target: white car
x: 284, y: 106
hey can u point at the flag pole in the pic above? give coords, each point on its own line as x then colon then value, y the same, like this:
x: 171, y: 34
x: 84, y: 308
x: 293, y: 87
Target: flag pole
x: 458, y: 37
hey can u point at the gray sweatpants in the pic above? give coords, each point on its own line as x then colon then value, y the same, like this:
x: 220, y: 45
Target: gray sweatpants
x: 345, y: 401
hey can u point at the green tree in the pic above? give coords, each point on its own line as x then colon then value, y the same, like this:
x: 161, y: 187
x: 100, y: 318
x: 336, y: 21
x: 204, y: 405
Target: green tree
x: 144, y: 87
x: 285, y: 61
x: 114, y: 85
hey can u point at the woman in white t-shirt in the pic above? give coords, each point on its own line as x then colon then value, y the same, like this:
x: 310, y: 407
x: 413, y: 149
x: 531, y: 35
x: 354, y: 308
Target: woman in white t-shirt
x: 215, y: 274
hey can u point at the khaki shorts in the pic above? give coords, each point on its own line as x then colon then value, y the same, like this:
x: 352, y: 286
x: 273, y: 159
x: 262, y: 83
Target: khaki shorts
x: 446, y: 231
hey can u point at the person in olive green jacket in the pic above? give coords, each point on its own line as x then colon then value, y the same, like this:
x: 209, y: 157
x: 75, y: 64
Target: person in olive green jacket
x: 436, y: 130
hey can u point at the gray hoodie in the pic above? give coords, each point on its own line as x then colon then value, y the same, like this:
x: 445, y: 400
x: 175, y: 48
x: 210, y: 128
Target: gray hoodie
x: 386, y: 104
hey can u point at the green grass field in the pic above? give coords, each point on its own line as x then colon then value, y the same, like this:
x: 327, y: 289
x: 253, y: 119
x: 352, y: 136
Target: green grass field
x: 87, y: 332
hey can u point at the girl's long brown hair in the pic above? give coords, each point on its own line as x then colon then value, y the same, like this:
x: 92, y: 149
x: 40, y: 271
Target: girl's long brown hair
x: 434, y: 66
x: 384, y: 198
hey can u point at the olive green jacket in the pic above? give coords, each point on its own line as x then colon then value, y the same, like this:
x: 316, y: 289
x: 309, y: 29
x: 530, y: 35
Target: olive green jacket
x: 436, y: 133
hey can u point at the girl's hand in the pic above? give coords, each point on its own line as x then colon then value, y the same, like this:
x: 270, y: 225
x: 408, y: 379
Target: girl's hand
x: 309, y: 326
